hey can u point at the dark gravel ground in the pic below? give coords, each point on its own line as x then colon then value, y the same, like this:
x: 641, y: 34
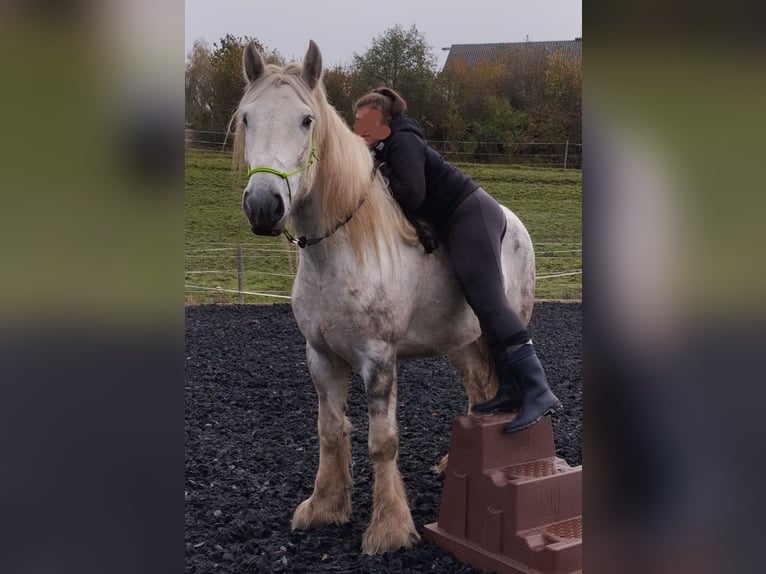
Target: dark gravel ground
x: 252, y: 446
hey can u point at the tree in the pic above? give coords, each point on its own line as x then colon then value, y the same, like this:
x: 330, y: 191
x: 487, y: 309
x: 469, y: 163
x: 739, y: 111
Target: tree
x: 521, y: 95
x: 524, y: 79
x: 563, y: 101
x: 214, y: 82
x: 199, y: 87
x: 339, y: 83
x: 484, y: 119
x: 395, y: 58
x: 402, y: 60
x: 228, y: 81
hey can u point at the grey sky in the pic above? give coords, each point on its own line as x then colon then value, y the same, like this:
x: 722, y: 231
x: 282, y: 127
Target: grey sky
x: 342, y: 27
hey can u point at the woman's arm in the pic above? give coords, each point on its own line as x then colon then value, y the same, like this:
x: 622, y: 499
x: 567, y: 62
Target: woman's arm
x: 405, y: 170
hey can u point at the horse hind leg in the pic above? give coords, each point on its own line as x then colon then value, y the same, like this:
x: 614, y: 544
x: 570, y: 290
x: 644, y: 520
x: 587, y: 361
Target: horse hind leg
x: 330, y: 503
x: 391, y: 526
x: 478, y: 375
x: 476, y: 370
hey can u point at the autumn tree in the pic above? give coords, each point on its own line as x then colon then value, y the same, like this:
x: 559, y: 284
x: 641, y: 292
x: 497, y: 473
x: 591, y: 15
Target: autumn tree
x: 560, y: 114
x: 524, y: 80
x: 523, y: 95
x: 339, y: 83
x: 214, y: 81
x: 227, y: 79
x: 484, y: 120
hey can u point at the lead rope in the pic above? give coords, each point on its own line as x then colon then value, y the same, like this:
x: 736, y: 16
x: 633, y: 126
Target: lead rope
x: 304, y: 241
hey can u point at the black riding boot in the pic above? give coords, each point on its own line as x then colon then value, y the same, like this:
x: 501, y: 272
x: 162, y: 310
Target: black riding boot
x: 508, y: 396
x: 537, y: 398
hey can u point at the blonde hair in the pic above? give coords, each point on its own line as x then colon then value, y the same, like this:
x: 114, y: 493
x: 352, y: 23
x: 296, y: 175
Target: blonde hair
x: 389, y: 102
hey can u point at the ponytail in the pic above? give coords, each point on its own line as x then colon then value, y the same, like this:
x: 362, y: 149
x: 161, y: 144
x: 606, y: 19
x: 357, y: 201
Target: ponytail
x: 398, y: 105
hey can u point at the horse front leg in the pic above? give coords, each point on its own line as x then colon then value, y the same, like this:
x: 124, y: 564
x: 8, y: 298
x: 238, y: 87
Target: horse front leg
x: 330, y: 503
x: 391, y: 526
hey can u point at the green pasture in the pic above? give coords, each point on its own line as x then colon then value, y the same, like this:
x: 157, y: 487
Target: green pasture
x: 548, y: 201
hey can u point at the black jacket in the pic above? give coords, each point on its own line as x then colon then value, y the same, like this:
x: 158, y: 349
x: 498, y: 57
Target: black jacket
x: 420, y: 180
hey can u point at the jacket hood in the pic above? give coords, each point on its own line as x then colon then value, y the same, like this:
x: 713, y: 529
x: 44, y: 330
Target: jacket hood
x: 404, y: 123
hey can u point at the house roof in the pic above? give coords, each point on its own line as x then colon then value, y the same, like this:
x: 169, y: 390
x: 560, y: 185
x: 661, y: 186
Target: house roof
x: 473, y: 54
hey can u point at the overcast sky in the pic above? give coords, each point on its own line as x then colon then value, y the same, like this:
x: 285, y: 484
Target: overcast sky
x: 342, y: 27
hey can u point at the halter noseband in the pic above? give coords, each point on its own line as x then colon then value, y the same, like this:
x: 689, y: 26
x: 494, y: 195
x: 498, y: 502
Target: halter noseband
x: 303, y: 241
x: 286, y: 174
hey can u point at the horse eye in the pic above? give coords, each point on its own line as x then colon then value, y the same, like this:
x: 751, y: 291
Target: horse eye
x: 307, y: 121
x: 244, y: 120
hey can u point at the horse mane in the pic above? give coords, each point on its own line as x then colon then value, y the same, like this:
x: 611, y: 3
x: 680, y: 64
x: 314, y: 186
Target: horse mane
x: 343, y: 173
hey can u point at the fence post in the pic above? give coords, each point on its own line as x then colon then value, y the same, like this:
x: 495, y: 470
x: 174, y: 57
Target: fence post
x: 566, y: 153
x: 240, y: 274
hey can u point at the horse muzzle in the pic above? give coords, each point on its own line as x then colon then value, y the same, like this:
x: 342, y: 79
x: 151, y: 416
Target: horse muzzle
x: 265, y: 212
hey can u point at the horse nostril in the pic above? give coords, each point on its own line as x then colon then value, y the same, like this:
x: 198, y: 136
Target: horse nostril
x: 245, y: 205
x: 280, y: 209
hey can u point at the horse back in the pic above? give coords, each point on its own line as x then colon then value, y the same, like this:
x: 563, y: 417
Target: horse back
x: 409, y: 299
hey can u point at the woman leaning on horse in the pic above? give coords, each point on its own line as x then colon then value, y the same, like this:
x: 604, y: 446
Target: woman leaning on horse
x: 470, y: 225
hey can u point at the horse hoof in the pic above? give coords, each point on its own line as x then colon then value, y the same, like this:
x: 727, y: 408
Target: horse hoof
x: 382, y: 538
x: 311, y: 514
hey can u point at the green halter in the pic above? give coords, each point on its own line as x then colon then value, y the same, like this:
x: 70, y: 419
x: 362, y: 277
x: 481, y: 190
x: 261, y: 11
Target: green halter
x: 303, y: 241
x: 286, y: 174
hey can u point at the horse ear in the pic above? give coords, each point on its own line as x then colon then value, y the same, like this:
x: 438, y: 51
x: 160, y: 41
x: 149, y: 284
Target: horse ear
x: 312, y: 65
x: 252, y: 63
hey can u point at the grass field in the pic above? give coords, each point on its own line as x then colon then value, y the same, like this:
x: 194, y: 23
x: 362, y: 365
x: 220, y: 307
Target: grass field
x: 548, y: 201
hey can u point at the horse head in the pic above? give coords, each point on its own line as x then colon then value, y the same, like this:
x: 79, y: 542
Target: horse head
x: 277, y: 130
x: 305, y: 164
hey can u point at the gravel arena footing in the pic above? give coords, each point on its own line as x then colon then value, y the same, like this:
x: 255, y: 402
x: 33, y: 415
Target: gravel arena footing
x: 252, y: 446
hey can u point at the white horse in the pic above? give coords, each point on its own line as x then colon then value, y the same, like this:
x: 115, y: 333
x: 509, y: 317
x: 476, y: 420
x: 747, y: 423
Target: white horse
x: 365, y: 293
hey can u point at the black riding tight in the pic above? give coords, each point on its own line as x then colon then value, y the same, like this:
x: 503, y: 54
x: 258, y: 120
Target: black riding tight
x: 472, y: 236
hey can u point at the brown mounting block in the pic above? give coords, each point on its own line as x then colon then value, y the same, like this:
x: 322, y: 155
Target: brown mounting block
x: 509, y: 505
